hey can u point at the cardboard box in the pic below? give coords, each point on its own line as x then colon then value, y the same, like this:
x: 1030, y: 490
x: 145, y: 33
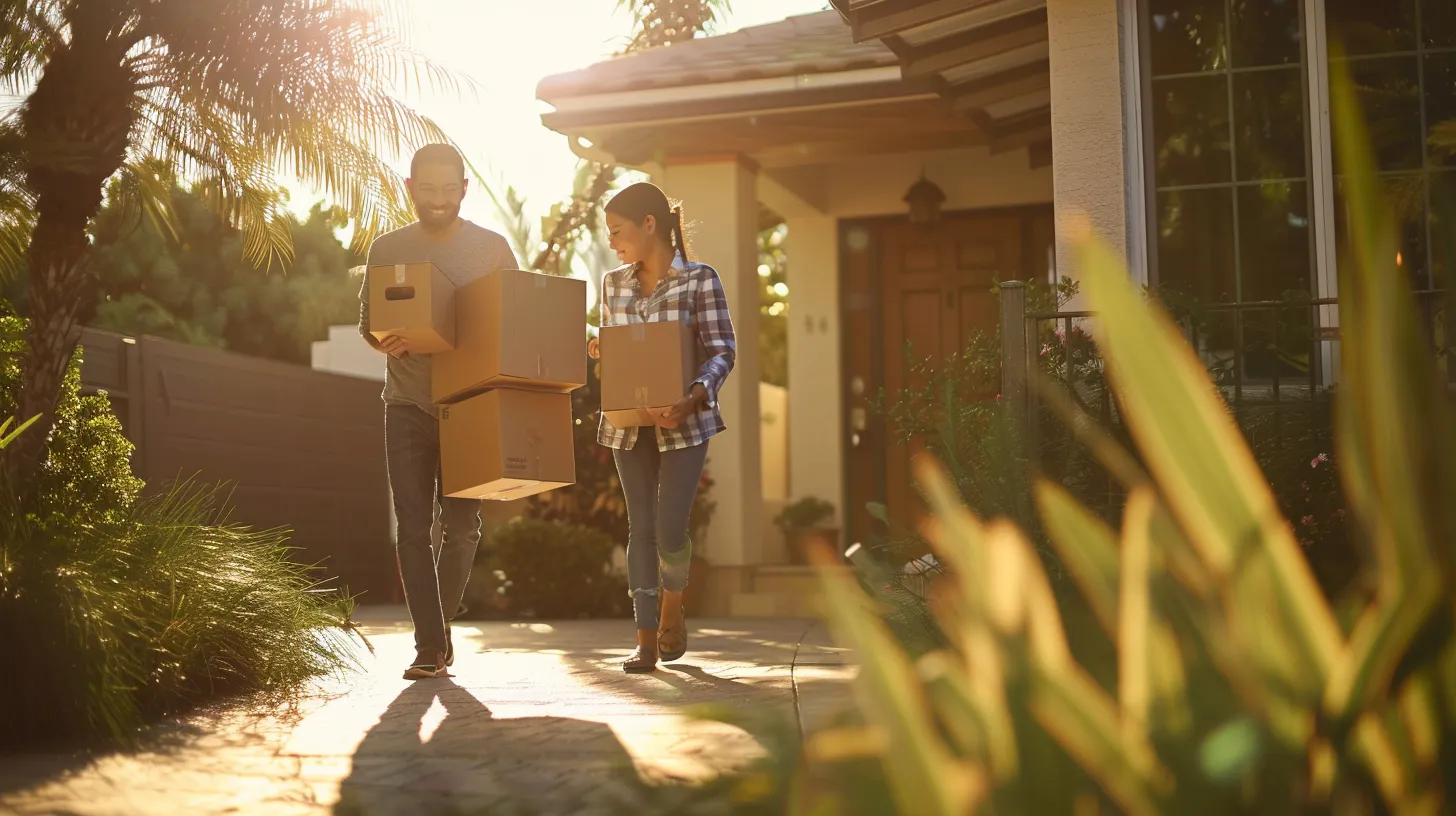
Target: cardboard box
x: 506, y: 444
x: 515, y: 329
x: 414, y: 301
x: 646, y: 369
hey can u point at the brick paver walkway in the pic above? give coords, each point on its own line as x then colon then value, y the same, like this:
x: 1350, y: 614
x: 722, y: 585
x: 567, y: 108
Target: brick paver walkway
x: 537, y: 719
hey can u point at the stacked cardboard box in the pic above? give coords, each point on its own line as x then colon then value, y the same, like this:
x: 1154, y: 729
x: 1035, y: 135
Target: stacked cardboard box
x: 646, y: 369
x: 504, y: 387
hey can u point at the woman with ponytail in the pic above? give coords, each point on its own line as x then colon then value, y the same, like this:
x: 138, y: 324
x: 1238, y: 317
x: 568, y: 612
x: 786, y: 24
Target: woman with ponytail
x: 660, y: 467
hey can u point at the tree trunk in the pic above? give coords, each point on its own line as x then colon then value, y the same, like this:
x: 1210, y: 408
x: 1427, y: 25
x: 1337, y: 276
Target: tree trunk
x: 77, y: 125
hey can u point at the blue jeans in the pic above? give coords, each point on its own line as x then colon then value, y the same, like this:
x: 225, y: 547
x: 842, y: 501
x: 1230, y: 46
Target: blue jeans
x: 660, y: 489
x: 434, y: 583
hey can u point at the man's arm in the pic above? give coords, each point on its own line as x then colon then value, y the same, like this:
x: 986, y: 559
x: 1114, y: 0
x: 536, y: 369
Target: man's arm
x: 364, y: 309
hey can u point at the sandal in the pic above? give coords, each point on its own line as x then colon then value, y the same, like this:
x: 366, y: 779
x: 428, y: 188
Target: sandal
x: 672, y: 641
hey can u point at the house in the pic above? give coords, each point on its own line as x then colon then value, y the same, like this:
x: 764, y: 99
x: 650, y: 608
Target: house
x: 1193, y: 135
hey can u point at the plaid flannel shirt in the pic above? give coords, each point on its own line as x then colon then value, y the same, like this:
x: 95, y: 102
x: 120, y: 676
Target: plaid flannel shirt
x: 692, y: 294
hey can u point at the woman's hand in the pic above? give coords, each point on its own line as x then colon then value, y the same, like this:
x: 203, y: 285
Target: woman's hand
x: 696, y: 398
x: 594, y: 348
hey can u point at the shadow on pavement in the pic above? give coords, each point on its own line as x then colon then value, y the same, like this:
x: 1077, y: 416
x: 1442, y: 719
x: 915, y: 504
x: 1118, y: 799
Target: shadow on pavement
x: 438, y: 749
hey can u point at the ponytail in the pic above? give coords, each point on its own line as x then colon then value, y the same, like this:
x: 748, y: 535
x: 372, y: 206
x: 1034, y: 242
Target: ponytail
x: 636, y: 202
x: 679, y: 241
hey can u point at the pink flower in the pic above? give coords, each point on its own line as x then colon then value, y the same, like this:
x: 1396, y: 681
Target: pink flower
x: 1308, y: 521
x: 1318, y: 460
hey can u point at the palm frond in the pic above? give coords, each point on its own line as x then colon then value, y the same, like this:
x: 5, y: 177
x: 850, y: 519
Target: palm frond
x: 17, y: 204
x: 239, y: 95
x: 28, y: 31
x: 664, y: 22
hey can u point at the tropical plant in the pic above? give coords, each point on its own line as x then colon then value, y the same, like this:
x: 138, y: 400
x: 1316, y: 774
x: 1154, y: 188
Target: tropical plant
x: 227, y: 96
x: 1238, y: 686
x: 196, y: 287
x: 665, y: 22
x: 137, y: 607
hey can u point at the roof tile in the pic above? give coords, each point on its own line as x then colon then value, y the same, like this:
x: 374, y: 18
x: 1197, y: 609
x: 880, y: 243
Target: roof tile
x: 806, y: 44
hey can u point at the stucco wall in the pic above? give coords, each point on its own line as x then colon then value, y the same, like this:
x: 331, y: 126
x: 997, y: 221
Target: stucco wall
x: 1088, y: 140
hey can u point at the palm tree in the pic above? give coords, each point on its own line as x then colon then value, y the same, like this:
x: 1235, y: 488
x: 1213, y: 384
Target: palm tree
x: 230, y: 95
x: 664, y: 22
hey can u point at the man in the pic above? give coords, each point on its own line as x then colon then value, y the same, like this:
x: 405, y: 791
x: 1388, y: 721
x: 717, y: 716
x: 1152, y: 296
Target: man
x: 464, y: 252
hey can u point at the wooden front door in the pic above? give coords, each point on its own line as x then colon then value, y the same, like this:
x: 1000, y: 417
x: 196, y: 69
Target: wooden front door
x: 931, y: 290
x: 937, y: 293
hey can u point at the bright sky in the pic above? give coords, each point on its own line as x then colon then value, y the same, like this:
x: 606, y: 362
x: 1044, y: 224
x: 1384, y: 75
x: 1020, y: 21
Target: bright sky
x: 507, y: 47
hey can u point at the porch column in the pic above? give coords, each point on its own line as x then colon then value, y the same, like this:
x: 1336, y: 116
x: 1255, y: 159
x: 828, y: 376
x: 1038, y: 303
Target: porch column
x: 816, y: 391
x: 720, y: 210
x: 1089, y: 144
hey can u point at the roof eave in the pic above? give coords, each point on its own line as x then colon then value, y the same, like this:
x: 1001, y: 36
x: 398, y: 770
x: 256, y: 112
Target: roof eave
x: 735, y: 99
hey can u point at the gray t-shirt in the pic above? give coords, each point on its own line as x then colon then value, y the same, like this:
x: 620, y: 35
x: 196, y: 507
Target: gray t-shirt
x: 468, y: 255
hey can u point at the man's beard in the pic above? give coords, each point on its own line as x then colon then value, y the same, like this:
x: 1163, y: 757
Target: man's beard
x: 442, y: 217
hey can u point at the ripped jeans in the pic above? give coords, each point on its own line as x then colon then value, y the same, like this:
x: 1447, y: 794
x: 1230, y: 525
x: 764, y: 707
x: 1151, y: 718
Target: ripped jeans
x: 660, y: 489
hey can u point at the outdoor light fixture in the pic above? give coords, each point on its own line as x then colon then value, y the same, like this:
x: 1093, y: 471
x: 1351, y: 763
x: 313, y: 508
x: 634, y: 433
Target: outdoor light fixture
x: 924, y: 198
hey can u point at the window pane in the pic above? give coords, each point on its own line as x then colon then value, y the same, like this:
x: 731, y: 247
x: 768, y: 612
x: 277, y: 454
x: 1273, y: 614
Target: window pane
x: 1191, y: 130
x: 1269, y: 124
x: 1389, y: 95
x: 1196, y: 243
x: 1438, y: 23
x: 1443, y: 227
x: 1441, y: 108
x: 1186, y: 36
x: 1274, y: 257
x: 1406, y: 195
x: 1373, y: 26
x: 1265, y: 32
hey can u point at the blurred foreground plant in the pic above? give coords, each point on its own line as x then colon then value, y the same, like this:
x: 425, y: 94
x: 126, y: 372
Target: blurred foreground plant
x: 1237, y: 689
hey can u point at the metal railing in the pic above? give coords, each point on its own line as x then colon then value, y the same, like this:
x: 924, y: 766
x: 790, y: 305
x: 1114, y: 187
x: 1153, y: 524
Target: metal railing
x: 1274, y: 361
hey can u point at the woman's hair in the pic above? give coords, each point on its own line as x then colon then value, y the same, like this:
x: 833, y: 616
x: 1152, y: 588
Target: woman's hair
x: 642, y: 199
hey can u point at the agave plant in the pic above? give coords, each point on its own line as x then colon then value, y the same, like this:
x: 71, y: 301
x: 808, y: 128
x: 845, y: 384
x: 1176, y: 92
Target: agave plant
x: 1238, y: 685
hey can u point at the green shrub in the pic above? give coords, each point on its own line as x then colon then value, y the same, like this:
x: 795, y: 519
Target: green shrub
x: 87, y: 473
x: 804, y: 514
x: 115, y: 608
x: 539, y: 569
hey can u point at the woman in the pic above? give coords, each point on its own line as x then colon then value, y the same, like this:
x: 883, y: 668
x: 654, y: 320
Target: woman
x: 660, y: 467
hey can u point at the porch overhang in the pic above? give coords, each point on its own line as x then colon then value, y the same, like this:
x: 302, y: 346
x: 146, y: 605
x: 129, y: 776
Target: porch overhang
x: 801, y: 91
x: 988, y: 58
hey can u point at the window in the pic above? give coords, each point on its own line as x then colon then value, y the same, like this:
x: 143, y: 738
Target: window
x: 1401, y: 55
x: 1225, y: 101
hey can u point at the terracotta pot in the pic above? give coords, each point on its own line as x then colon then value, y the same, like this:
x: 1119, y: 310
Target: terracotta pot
x: 802, y: 540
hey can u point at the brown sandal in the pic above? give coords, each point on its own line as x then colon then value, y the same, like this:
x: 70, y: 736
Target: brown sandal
x: 672, y: 641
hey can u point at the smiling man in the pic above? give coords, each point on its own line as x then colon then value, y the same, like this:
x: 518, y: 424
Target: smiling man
x: 464, y: 252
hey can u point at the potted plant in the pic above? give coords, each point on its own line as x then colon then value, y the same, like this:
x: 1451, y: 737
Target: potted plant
x: 804, y: 524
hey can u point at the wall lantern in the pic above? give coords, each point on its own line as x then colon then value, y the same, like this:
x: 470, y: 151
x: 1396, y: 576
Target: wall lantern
x: 924, y: 198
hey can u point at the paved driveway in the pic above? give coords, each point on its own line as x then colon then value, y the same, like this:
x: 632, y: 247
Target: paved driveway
x: 537, y: 719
